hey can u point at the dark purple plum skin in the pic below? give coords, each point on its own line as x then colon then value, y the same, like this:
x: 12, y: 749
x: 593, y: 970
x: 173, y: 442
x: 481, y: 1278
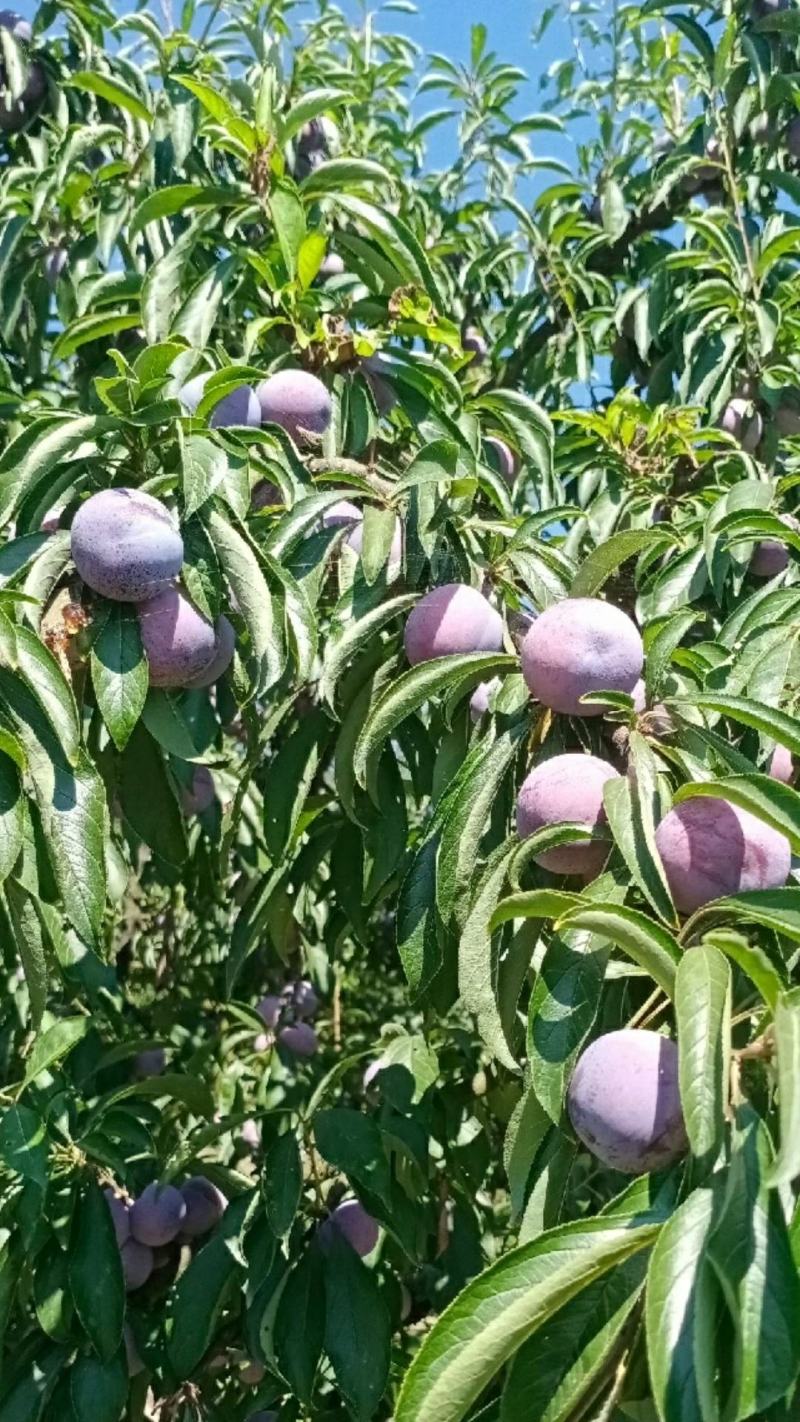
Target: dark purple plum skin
x: 299, y: 1039
x: 297, y: 401
x: 352, y: 1222
x: 566, y: 788
x: 710, y: 848
x: 224, y: 648
x: 205, y: 1206
x: 157, y: 1216
x: 179, y: 642
x: 137, y: 1264
x: 126, y: 545
x: 453, y: 618
x: 624, y: 1101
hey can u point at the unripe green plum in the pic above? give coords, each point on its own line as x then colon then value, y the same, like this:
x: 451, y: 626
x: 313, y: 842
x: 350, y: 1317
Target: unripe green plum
x: 137, y: 1264
x: 741, y: 420
x: 771, y: 557
x: 566, y: 788
x: 452, y: 619
x: 578, y: 646
x: 178, y: 640
x: 297, y: 401
x: 157, y: 1215
x: 126, y: 545
x: 224, y: 648
x: 205, y: 1206
x: 624, y: 1101
x: 239, y: 407
x: 711, y: 848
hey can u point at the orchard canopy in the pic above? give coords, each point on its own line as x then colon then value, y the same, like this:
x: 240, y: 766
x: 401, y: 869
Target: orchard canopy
x: 399, y: 614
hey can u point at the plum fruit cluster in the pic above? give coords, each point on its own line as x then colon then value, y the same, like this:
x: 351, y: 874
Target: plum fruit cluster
x: 285, y: 1015
x: 159, y: 1217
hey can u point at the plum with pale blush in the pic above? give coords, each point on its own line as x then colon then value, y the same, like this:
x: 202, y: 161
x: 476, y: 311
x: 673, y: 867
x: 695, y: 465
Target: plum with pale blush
x: 157, y: 1215
x: 297, y: 401
x: 501, y: 457
x: 205, y: 1206
x: 137, y: 1264
x: 474, y: 344
x: 239, y: 407
x: 179, y: 641
x: 711, y: 848
x: 481, y: 696
x: 566, y: 789
x: 449, y: 620
x: 224, y: 648
x: 352, y: 1222
x: 270, y: 1008
x: 744, y: 422
x: 624, y: 1101
x: 577, y: 646
x: 126, y: 545
x: 781, y: 765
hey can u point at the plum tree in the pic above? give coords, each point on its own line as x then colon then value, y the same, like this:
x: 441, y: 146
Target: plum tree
x: 624, y: 1102
x: 577, y: 646
x: 711, y: 848
x: 566, y: 788
x: 205, y: 1206
x: 180, y: 643
x: 297, y: 401
x: 299, y: 1038
x: 126, y: 545
x: 137, y: 1264
x: 771, y: 557
x: 451, y: 619
x: 120, y: 1215
x: 240, y: 407
x: 352, y: 1222
x: 157, y: 1215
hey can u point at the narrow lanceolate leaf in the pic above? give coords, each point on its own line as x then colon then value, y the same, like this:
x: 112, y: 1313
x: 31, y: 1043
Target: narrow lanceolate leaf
x: 95, y: 1272
x: 752, y: 960
x: 411, y: 691
x: 300, y: 1323
x: 46, y: 680
x: 201, y: 1291
x: 776, y: 908
x: 30, y: 943
x: 34, y: 454
x: 774, y: 803
x: 610, y: 555
x: 114, y: 91
x: 681, y: 1315
x: 702, y: 1009
x: 476, y: 976
x: 289, y: 780
x: 633, y: 806
x: 557, y: 1367
x: 787, y: 1046
x: 358, y: 1331
x: 119, y: 672
x: 506, y: 1305
x: 466, y: 826
x: 775, y: 724
x: 417, y: 940
x: 646, y: 942
x: 562, y: 1009
x: 354, y: 635
x: 249, y: 587
x: 751, y: 1251
x: 283, y: 1182
x: 12, y: 815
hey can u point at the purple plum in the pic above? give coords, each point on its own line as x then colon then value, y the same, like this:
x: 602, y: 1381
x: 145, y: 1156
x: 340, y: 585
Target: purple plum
x: 299, y: 1039
x: 157, y: 1215
x: 151, y: 1062
x: 451, y: 619
x: 178, y: 640
x: 205, y: 1206
x: 711, y: 848
x: 744, y: 422
x: 224, y: 648
x: 771, y: 557
x: 296, y: 401
x: 566, y: 788
x: 624, y: 1101
x: 270, y: 1008
x: 580, y: 645
x: 199, y: 796
x: 781, y: 766
x: 502, y: 457
x: 474, y: 344
x: 352, y: 1222
x: 137, y: 1264
x: 304, y: 998
x: 481, y: 696
x: 126, y: 545
x: 239, y: 407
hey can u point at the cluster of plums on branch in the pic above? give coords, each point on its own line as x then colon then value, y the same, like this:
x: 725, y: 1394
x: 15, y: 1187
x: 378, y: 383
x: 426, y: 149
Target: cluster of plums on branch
x: 709, y: 847
x: 160, y: 1216
x: 285, y: 1015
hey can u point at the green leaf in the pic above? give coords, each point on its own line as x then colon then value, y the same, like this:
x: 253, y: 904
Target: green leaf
x: 506, y: 1305
x: 300, y: 1323
x: 751, y: 1252
x: 353, y: 635
x: 27, y: 1398
x: 787, y: 1046
x: 148, y: 799
x: 774, y: 803
x: 309, y: 106
x: 644, y: 941
x: 358, y: 1331
x: 113, y: 90
x: 249, y: 587
x: 659, y: 651
x: 769, y: 722
x: 410, y: 691
x: 476, y: 977
x: 289, y: 779
x: 23, y: 1143
x: 46, y: 680
x: 205, y: 470
x: 12, y: 815
x: 289, y: 219
x: 165, y: 202
x: 633, y: 808
x: 681, y: 1314
x: 752, y: 960
x: 190, y: 1090
x: 555, y: 1370
x: 282, y: 1182
x: 609, y: 556
x: 466, y: 823
x: 222, y: 110
x: 561, y: 1013
x: 353, y: 1144
x: 99, y: 1389
x: 201, y: 1291
x: 119, y: 671
x: 55, y: 1044
x: 95, y: 1272
x: 702, y: 1011
x: 417, y: 940
x: 30, y: 940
